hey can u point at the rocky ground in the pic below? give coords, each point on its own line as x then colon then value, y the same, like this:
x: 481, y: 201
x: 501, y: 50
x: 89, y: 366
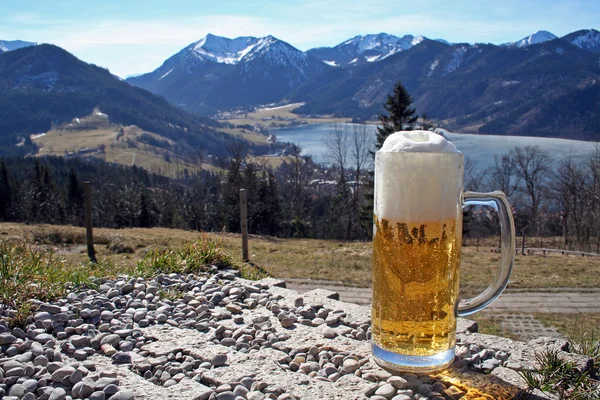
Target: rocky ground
x: 217, y: 336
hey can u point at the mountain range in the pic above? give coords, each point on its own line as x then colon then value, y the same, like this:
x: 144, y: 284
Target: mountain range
x: 539, y: 85
x: 9, y: 45
x: 44, y: 85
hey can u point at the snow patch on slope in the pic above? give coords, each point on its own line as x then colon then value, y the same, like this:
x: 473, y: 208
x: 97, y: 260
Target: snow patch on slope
x: 538, y: 37
x: 223, y: 50
x: 433, y: 66
x: 166, y: 73
x: 415, y: 41
x: 9, y: 45
x: 588, y: 40
x: 456, y: 59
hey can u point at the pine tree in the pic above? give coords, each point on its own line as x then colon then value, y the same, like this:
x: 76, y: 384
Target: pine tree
x: 75, y: 198
x: 401, y: 116
x: 5, y: 189
x: 144, y: 219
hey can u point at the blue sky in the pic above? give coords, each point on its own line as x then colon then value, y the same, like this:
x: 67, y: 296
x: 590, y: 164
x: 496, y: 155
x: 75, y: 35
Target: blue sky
x: 133, y: 36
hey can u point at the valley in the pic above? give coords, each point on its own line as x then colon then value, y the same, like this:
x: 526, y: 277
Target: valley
x: 541, y: 85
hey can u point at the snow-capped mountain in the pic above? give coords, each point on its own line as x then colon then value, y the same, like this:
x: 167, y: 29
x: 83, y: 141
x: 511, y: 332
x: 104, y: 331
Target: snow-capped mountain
x: 538, y: 37
x: 223, y: 50
x: 365, y: 48
x: 586, y: 39
x: 9, y: 45
x: 217, y: 72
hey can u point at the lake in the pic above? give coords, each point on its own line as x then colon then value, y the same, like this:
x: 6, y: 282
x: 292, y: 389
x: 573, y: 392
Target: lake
x: 480, y: 148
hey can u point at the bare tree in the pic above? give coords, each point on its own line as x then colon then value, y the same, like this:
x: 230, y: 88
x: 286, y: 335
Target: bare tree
x: 568, y: 190
x: 532, y: 167
x: 238, y: 150
x: 337, y: 142
x: 592, y: 172
x: 349, y: 150
x: 473, y: 177
x: 501, y: 176
x: 361, y: 144
x: 296, y: 174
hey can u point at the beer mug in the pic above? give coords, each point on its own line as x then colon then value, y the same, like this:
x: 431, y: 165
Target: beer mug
x: 416, y: 254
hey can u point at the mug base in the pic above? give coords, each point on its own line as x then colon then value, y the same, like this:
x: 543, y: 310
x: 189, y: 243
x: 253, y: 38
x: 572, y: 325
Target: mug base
x: 405, y: 363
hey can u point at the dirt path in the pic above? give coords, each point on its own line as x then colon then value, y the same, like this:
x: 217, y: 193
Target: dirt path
x: 558, y: 300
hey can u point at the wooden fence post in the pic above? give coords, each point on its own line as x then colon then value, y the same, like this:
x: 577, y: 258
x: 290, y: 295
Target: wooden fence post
x: 89, y: 235
x: 244, y: 224
x: 523, y: 244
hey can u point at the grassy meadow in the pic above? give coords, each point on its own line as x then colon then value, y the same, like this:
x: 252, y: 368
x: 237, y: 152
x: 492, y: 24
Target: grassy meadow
x: 346, y: 263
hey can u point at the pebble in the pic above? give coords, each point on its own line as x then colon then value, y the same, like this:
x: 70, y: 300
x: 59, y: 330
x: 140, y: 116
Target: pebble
x: 121, y: 358
x: 387, y: 391
x: 228, y: 395
x: 7, y: 338
x: 219, y: 360
x: 287, y: 322
x: 329, y: 333
x: 58, y: 394
x: 17, y: 390
x: 351, y: 365
x: 98, y: 395
x: 255, y: 395
x: 124, y: 394
x: 62, y: 373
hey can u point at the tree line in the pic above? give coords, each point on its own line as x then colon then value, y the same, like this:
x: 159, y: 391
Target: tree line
x: 550, y: 197
x: 288, y: 201
x: 298, y: 199
x: 301, y: 198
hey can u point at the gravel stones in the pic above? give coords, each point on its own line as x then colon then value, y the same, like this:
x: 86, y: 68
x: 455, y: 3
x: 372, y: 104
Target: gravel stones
x: 238, y: 321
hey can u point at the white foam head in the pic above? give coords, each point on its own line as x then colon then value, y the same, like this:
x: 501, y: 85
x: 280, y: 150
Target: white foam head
x: 418, y: 141
x: 418, y: 178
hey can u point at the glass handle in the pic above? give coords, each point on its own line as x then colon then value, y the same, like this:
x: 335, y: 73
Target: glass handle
x: 497, y: 200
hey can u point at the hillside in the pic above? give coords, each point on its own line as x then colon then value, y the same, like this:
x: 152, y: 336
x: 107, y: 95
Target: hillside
x: 95, y: 136
x: 547, y: 89
x: 44, y: 86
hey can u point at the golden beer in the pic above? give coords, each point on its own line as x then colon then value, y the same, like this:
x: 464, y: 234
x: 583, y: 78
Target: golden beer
x: 416, y: 272
x: 417, y: 241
